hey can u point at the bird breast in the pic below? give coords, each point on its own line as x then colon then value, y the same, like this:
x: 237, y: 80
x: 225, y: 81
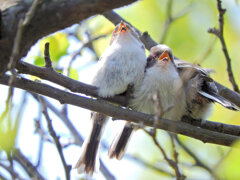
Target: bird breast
x: 167, y: 85
x: 123, y: 63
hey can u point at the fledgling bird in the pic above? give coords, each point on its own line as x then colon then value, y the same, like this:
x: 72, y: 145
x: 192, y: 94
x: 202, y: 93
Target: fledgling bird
x: 200, y: 90
x: 199, y: 87
x: 122, y: 64
x: 161, y: 79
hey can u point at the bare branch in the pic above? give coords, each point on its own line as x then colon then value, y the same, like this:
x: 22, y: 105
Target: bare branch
x: 145, y: 37
x: 14, y: 174
x: 76, y: 86
x: 219, y: 33
x: 48, y: 62
x: 52, y: 132
x: 170, y: 162
x: 170, y: 19
x: 49, y: 17
x: 149, y: 42
x: 27, y: 165
x: 77, y: 137
x: 71, y: 84
x: 197, y: 160
x: 121, y: 113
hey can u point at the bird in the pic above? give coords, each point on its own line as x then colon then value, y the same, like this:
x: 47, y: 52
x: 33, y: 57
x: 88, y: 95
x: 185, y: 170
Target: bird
x: 199, y: 89
x: 121, y: 65
x: 161, y: 80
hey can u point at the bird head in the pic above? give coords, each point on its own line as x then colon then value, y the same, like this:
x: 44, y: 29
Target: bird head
x: 123, y: 31
x: 160, y: 54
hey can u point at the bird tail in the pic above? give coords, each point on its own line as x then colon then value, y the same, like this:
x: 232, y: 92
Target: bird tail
x: 88, y: 161
x: 118, y: 146
x: 219, y: 99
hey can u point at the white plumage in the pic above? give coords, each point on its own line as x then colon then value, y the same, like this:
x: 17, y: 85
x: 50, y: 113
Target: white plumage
x: 162, y: 79
x: 123, y: 63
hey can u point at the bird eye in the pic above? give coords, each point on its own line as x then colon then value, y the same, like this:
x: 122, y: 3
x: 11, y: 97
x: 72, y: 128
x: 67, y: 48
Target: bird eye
x: 154, y: 56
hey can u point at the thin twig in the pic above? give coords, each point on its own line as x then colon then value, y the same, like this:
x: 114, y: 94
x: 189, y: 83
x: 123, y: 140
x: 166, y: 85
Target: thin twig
x: 149, y: 42
x: 77, y: 137
x: 27, y: 165
x: 14, y: 174
x: 48, y: 62
x: 219, y: 33
x: 198, y: 161
x: 52, y: 132
x: 207, y: 52
x: 171, y: 162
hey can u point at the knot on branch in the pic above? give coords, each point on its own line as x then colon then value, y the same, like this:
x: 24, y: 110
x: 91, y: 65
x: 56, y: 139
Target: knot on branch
x: 48, y: 62
x: 214, y: 31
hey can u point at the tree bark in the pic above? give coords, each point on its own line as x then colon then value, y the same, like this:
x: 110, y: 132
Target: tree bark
x: 49, y: 17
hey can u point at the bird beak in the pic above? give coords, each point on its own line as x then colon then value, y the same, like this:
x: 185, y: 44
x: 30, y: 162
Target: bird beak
x: 122, y: 28
x: 164, y: 56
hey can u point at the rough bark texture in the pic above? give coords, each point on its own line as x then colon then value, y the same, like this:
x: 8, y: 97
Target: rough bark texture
x: 50, y: 16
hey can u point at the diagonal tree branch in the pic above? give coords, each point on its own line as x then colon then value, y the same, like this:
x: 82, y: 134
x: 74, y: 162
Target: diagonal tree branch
x: 49, y: 17
x: 71, y: 84
x: 28, y: 166
x: 149, y: 42
x: 52, y: 132
x: 219, y: 33
x: 77, y: 137
x: 117, y: 112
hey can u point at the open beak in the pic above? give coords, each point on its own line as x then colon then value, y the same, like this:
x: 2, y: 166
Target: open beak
x: 122, y: 28
x: 164, y: 56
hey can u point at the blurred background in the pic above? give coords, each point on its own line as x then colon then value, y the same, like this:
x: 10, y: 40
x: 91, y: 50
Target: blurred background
x: 74, y: 52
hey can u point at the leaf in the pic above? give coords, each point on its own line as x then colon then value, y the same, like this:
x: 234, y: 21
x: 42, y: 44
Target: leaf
x: 73, y: 74
x: 39, y: 61
x: 229, y: 167
x: 58, y: 46
x: 8, y: 133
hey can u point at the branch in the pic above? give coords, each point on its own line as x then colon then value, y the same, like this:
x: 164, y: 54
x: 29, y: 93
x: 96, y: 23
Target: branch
x: 77, y: 137
x: 170, y: 19
x: 214, y: 126
x: 170, y: 162
x: 49, y: 17
x: 145, y: 37
x: 76, y: 86
x: 71, y: 84
x: 52, y: 132
x: 197, y: 160
x: 117, y: 112
x: 14, y: 174
x: 149, y: 42
x: 219, y: 33
x: 27, y: 165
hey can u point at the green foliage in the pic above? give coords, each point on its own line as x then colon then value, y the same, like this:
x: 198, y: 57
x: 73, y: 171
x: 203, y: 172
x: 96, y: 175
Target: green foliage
x: 8, y: 131
x: 38, y: 60
x: 73, y: 74
x: 229, y: 167
x: 58, y: 46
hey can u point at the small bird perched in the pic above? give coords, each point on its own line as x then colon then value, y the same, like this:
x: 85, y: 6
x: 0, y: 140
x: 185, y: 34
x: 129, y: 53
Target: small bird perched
x: 122, y: 64
x: 161, y: 80
x: 199, y: 87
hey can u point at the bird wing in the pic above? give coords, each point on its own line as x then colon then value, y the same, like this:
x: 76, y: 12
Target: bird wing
x: 219, y: 99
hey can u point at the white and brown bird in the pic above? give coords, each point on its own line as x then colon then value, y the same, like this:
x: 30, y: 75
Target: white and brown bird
x: 161, y: 80
x: 122, y: 64
x: 199, y: 89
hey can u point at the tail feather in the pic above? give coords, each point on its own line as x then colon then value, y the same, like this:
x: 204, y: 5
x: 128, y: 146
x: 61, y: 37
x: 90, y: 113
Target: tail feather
x: 88, y: 160
x: 219, y: 99
x: 118, y: 146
